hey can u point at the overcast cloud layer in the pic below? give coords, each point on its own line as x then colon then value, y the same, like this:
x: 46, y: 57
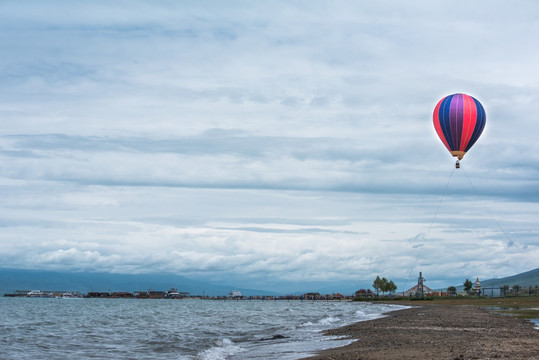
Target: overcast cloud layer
x: 258, y: 143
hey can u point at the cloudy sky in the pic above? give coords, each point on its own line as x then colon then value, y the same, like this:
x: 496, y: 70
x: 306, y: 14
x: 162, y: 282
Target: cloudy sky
x: 264, y: 143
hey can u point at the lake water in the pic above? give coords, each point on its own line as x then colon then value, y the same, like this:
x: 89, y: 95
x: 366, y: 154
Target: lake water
x: 41, y: 328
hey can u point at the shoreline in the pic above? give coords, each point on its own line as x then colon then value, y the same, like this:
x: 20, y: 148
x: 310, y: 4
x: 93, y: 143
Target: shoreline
x: 437, y: 331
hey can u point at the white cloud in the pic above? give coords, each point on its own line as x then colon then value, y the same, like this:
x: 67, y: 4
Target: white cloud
x: 287, y: 138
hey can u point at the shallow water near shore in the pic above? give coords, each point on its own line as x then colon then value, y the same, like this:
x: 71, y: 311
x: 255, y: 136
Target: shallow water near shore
x: 180, y: 329
x: 531, y: 314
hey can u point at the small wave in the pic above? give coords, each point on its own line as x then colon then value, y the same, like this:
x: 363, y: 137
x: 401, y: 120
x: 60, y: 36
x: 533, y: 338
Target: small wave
x: 220, y: 351
x: 371, y: 313
x: 363, y: 316
x: 328, y: 320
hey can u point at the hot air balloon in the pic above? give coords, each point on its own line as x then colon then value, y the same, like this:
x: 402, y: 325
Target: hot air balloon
x: 459, y: 120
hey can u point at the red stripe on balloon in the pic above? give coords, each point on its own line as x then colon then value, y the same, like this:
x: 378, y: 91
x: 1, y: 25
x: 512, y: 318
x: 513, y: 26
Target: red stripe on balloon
x: 469, y: 121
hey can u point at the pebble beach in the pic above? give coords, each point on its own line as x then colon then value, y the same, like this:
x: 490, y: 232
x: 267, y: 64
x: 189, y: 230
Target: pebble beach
x: 433, y: 331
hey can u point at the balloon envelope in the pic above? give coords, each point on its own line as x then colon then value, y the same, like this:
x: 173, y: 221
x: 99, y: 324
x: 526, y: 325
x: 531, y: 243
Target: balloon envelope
x: 459, y: 120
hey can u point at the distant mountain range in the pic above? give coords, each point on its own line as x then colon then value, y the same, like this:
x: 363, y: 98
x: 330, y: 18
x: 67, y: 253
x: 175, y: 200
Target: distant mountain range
x: 525, y: 279
x: 84, y: 282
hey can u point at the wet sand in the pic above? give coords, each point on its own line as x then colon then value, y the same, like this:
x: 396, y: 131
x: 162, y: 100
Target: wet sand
x: 432, y: 331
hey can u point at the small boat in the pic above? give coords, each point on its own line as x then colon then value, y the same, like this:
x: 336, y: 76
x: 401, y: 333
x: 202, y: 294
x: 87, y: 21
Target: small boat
x: 39, y: 294
x: 173, y: 294
x: 235, y: 294
x: 70, y: 295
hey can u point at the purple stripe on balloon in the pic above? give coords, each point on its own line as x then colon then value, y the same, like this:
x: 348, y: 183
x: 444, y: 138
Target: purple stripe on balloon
x: 456, y: 113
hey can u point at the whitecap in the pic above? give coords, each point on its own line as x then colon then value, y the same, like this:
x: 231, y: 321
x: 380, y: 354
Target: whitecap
x: 222, y: 349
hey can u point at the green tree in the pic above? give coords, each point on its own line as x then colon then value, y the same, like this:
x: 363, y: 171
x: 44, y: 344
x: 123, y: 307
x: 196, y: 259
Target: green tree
x: 467, y: 285
x: 516, y: 289
x: 452, y: 291
x: 377, y: 284
x: 391, y: 287
x: 383, y: 285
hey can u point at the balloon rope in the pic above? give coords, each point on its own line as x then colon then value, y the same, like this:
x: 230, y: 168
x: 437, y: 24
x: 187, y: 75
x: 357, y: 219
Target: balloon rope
x: 429, y: 229
x: 509, y: 240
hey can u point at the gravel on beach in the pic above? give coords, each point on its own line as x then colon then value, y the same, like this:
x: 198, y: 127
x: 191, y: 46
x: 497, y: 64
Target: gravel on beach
x: 431, y: 331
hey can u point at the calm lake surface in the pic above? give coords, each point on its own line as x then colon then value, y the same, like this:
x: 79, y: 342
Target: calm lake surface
x: 50, y: 328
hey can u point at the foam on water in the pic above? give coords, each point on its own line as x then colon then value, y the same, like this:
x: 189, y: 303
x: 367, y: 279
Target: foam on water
x: 329, y: 320
x: 222, y: 350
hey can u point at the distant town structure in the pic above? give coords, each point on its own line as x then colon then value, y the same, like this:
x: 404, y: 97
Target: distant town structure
x: 420, y: 286
x: 420, y: 289
x: 476, y: 287
x: 362, y: 293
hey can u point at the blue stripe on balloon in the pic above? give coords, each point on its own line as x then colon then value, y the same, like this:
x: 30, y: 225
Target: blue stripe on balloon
x: 479, y: 124
x: 444, y: 119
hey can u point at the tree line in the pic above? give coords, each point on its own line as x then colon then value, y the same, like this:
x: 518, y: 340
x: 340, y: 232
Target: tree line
x: 384, y: 285
x: 504, y: 290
